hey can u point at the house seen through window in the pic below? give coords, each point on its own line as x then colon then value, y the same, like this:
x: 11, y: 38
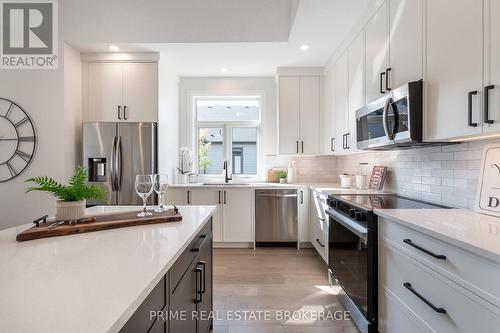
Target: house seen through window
x: 227, y: 129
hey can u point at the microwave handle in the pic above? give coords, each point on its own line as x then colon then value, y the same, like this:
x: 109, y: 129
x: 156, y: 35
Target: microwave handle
x: 388, y: 102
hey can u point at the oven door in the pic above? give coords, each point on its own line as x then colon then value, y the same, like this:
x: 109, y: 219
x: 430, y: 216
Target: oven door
x: 352, y: 262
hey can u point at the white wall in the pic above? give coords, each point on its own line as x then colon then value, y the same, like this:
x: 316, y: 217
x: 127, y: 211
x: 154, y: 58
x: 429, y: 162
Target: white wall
x: 40, y: 93
x: 265, y: 86
x: 72, y: 109
x: 168, y: 120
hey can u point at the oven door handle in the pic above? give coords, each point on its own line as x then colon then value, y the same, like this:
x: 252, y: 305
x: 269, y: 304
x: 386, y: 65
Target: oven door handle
x: 349, y: 224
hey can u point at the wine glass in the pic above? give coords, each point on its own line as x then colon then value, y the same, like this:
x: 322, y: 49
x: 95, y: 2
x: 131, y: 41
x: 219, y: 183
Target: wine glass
x: 144, y: 188
x: 160, y: 185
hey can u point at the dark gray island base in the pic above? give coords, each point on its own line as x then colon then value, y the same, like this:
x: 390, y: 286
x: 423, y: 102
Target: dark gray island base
x: 182, y: 301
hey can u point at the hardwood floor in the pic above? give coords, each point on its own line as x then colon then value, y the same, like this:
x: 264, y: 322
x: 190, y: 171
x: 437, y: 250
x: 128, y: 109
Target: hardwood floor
x: 254, y: 291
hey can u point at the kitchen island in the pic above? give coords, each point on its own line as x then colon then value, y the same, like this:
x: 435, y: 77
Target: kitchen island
x: 107, y: 281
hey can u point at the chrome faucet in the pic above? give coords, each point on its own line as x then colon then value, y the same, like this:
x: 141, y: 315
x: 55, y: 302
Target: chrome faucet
x: 226, y: 173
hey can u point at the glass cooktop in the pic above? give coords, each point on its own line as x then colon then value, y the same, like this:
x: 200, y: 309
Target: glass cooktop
x: 380, y: 201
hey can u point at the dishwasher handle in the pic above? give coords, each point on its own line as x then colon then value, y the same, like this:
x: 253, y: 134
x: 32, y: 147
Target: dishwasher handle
x: 266, y: 195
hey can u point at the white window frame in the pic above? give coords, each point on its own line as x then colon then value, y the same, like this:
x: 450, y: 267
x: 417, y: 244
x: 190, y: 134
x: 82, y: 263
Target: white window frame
x: 227, y: 126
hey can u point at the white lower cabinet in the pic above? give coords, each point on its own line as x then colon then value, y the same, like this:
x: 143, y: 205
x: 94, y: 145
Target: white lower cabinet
x: 409, y: 283
x: 211, y: 197
x: 237, y: 215
x: 303, y: 215
x: 178, y: 196
x: 233, y: 219
x: 319, y: 224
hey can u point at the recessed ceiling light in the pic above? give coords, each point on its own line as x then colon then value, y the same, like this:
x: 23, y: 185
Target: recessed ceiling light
x: 304, y: 47
x: 113, y: 48
x: 223, y: 70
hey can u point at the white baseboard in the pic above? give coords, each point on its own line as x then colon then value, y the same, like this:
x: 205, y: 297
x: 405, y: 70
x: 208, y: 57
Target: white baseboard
x: 233, y: 245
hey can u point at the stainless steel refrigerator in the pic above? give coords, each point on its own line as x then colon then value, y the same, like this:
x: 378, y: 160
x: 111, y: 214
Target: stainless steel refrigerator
x: 115, y: 153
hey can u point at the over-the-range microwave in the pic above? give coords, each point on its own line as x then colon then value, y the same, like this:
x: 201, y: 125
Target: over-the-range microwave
x: 394, y: 121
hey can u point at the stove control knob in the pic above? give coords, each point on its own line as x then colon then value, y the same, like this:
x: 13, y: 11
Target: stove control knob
x: 352, y: 213
x: 359, y: 216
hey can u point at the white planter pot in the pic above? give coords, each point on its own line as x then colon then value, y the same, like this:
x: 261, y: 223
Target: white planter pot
x: 182, y: 178
x: 282, y: 180
x: 70, y: 210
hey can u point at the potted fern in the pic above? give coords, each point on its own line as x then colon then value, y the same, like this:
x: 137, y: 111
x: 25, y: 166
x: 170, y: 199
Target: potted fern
x: 72, y: 197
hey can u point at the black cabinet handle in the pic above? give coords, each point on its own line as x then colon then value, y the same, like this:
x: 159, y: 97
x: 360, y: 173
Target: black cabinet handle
x: 125, y: 112
x: 301, y: 197
x: 487, y: 119
x: 225, y: 197
x: 188, y: 196
x: 302, y: 147
x: 469, y: 98
x: 297, y: 147
x: 387, y: 76
x: 317, y: 240
x: 381, y: 82
x: 199, y: 243
x: 408, y: 286
x: 437, y: 256
x: 199, y: 296
x: 347, y: 145
x: 119, y: 112
x: 204, y: 271
x: 219, y: 194
x: 332, y: 144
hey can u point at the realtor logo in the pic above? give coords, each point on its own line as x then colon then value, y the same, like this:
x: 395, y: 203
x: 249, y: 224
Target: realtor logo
x: 29, y: 34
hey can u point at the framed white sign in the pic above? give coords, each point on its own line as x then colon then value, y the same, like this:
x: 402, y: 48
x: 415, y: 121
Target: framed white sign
x: 488, y: 191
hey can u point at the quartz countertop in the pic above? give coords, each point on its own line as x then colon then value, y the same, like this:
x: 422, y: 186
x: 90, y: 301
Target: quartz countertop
x: 326, y: 188
x: 238, y: 184
x: 473, y: 232
x: 91, y: 282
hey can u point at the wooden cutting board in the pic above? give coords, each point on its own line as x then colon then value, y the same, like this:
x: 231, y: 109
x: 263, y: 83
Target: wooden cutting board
x: 98, y: 223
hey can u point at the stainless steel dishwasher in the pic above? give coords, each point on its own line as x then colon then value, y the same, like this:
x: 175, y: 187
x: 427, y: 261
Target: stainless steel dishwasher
x: 276, y: 217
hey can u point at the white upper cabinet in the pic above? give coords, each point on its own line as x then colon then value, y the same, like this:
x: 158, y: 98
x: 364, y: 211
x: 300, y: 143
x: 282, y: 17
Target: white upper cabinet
x: 454, y: 68
x: 356, y: 84
x: 140, y: 92
x: 492, y: 63
x: 289, y: 108
x: 342, y: 104
x: 116, y: 91
x: 309, y: 114
x: 105, y: 92
x: 406, y: 32
x: 376, y: 54
x: 328, y: 114
x: 299, y: 111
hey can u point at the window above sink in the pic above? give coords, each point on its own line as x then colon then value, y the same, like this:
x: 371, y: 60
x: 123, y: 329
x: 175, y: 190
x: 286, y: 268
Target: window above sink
x: 227, y: 128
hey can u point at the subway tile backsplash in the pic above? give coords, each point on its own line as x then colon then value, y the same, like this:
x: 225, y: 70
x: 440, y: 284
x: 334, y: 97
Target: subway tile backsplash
x: 310, y: 169
x: 446, y: 174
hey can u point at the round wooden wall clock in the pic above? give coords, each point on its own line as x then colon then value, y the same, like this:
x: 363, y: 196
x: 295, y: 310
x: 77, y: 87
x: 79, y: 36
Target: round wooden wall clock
x: 17, y: 140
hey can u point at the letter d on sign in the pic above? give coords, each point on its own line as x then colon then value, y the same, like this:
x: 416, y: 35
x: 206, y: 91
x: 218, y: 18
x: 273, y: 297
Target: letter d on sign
x: 493, y: 202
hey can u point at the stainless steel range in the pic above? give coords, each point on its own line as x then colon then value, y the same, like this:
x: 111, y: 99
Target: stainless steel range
x: 352, y: 259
